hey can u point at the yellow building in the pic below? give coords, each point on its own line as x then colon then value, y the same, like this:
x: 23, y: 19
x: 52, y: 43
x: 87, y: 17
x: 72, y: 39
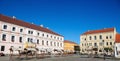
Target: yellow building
x: 69, y: 46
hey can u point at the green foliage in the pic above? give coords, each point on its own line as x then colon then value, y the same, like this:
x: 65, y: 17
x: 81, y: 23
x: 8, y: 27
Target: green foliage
x: 108, y: 49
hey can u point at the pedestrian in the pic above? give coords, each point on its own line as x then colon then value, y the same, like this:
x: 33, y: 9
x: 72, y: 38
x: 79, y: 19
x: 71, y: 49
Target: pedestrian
x: 104, y: 56
x: 11, y: 53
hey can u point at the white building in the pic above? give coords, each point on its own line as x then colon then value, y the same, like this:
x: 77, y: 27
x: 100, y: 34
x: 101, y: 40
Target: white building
x: 117, y: 46
x: 97, y: 39
x: 15, y: 33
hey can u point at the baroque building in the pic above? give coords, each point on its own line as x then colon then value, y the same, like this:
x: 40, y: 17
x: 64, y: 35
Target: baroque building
x: 16, y: 33
x: 97, y: 40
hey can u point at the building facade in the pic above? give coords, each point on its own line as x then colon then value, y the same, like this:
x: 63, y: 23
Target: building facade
x: 16, y: 33
x: 97, y: 40
x: 69, y: 46
x: 117, y: 46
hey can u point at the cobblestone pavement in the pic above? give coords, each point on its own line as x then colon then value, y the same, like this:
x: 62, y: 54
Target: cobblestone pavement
x: 66, y: 58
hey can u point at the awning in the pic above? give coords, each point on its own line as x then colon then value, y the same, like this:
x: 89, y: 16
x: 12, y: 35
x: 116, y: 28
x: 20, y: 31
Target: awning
x: 32, y: 49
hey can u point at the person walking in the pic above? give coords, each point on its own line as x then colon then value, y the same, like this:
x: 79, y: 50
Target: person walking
x: 11, y: 53
x: 104, y: 56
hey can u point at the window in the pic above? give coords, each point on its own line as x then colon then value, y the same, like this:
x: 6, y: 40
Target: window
x: 51, y: 43
x: 90, y: 44
x: 2, y: 48
x: 110, y: 43
x: 117, y: 51
x: 100, y: 50
x: 61, y: 44
x: 85, y: 38
x: 110, y: 37
x: 95, y: 44
x: 21, y: 30
x: 101, y: 43
x: 42, y: 34
x: 107, y: 43
x: 13, y: 29
x: 58, y: 44
x: 51, y: 36
x: 82, y: 44
x: 100, y: 36
x: 85, y: 44
x: 47, y: 43
x: 31, y: 32
x: 4, y: 37
x: 54, y: 43
x: 95, y: 37
x: 28, y: 32
x: 31, y: 40
x: 12, y: 38
x: 38, y: 34
x: 61, y: 38
x: 37, y: 41
x: 58, y: 38
x: 90, y: 37
x: 106, y: 37
x: 20, y: 39
x: 4, y: 26
x: 42, y: 42
x: 28, y: 39
x: 54, y: 37
x: 47, y: 35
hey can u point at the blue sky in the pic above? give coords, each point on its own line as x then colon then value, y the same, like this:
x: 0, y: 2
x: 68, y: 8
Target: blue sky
x: 69, y: 18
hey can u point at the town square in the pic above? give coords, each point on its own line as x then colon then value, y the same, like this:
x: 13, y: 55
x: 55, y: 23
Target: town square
x: 59, y: 30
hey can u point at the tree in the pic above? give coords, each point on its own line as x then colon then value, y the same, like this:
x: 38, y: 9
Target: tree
x: 107, y: 49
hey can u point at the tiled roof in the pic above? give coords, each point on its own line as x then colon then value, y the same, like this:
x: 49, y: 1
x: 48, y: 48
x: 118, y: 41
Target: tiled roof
x: 99, y: 31
x: 66, y: 41
x: 25, y: 24
x: 117, y: 38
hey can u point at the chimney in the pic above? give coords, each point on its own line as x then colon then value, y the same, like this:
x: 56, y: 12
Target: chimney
x: 41, y: 25
x: 14, y: 17
x: 47, y: 27
x: 104, y: 28
x: 88, y: 30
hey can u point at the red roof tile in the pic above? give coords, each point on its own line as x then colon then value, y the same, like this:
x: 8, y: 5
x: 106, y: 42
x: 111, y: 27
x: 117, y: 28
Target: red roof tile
x: 117, y: 38
x: 99, y: 31
x: 25, y: 24
x: 66, y: 41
